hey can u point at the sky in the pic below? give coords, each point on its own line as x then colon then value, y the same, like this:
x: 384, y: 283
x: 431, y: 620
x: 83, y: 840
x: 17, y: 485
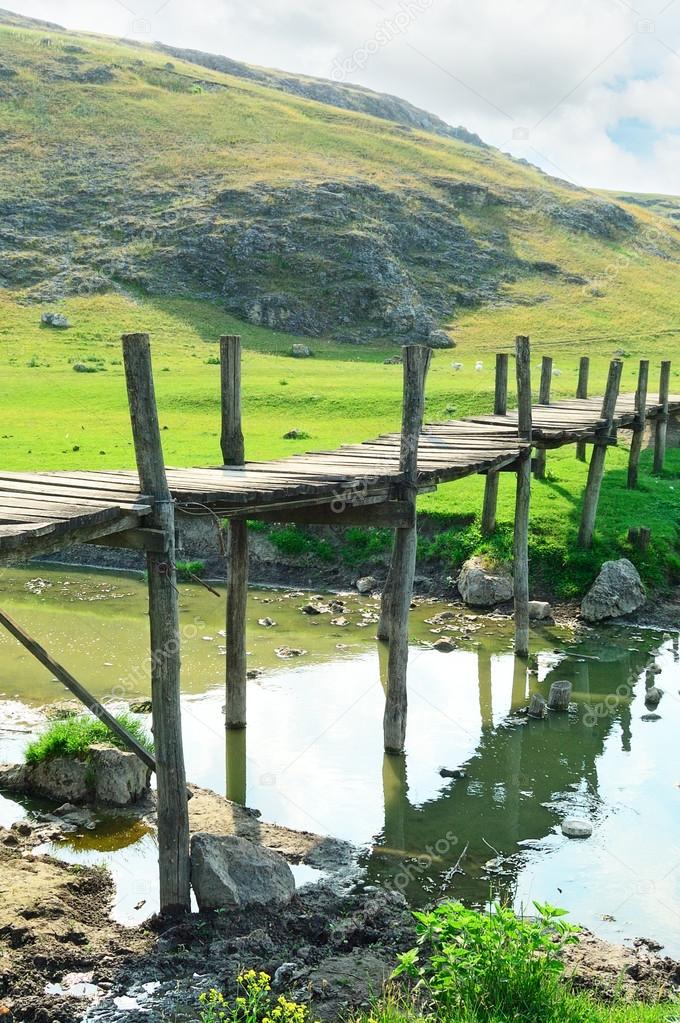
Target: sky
x: 589, y: 90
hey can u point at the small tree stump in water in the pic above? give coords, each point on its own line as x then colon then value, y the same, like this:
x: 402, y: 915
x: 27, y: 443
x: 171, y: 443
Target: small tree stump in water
x: 560, y: 696
x: 537, y: 707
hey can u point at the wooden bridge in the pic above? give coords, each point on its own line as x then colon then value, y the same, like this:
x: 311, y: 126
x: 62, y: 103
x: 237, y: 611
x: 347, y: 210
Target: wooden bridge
x: 372, y: 483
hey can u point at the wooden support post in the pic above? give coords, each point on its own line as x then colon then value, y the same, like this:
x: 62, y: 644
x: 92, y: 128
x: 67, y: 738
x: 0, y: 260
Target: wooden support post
x: 640, y: 421
x: 662, y: 419
x: 582, y: 392
x: 233, y: 448
x: 500, y: 408
x: 543, y: 399
x: 173, y: 815
x: 591, y: 496
x: 416, y: 363
x: 523, y: 499
x: 233, y: 453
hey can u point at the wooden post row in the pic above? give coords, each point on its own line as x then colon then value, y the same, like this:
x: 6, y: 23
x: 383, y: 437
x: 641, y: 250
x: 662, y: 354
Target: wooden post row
x: 591, y: 496
x: 582, y: 392
x: 523, y: 498
x: 173, y: 814
x: 402, y: 569
x: 500, y: 408
x: 543, y: 399
x: 639, y: 425
x: 233, y: 454
x: 662, y: 419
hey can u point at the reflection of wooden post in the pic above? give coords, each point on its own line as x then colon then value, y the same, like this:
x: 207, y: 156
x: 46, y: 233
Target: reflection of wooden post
x: 236, y: 766
x: 582, y: 392
x: 500, y: 408
x: 394, y: 794
x: 173, y: 815
x: 639, y: 426
x: 485, y: 686
x: 662, y: 419
x: 519, y: 684
x: 543, y: 399
x: 523, y: 498
x: 596, y: 469
x: 233, y: 454
x: 416, y: 363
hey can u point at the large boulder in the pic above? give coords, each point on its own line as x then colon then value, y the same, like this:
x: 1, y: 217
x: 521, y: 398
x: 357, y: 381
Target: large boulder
x: 108, y: 775
x: 231, y: 872
x: 617, y: 591
x: 481, y: 586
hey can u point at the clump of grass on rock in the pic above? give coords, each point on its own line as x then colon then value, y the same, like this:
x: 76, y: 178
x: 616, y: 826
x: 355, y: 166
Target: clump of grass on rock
x: 73, y: 737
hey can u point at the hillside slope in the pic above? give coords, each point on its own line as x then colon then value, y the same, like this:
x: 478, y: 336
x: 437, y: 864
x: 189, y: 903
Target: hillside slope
x: 124, y: 170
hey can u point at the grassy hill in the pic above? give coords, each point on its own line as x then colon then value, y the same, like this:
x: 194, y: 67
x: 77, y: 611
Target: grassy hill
x: 142, y: 192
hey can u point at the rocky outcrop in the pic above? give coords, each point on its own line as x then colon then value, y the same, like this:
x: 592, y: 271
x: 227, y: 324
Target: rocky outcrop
x: 108, y: 776
x: 617, y: 591
x: 481, y: 586
x: 231, y: 872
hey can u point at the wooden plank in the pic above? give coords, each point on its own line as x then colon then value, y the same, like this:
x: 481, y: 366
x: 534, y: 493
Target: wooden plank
x: 233, y: 448
x: 597, y: 459
x: 639, y: 428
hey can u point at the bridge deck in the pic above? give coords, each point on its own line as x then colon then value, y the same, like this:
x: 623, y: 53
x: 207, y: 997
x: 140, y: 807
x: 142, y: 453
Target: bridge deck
x: 41, y: 512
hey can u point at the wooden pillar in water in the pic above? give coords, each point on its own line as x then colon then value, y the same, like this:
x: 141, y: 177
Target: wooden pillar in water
x: 173, y: 814
x: 582, y: 392
x: 639, y: 426
x: 543, y: 399
x: 591, y: 496
x: 416, y: 363
x: 523, y: 498
x: 662, y: 419
x: 233, y: 454
x: 500, y: 408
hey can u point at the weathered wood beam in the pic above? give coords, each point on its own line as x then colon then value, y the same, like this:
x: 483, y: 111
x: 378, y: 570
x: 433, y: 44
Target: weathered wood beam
x: 500, y: 408
x: 661, y: 425
x: 543, y: 399
x: 21, y: 542
x: 582, y: 392
x: 523, y: 498
x: 591, y: 496
x: 639, y: 425
x: 173, y: 816
x: 233, y: 453
x: 134, y: 540
x: 79, y: 691
x: 402, y: 569
x: 395, y: 514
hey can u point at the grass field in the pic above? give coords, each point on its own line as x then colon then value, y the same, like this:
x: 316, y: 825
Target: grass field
x: 55, y: 418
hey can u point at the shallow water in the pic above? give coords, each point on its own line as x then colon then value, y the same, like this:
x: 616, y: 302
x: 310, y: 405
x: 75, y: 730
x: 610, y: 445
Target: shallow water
x: 312, y: 756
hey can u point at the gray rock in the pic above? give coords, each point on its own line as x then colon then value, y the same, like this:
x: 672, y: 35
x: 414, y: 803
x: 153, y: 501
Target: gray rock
x: 445, y: 645
x: 301, y: 352
x: 439, y: 339
x: 540, y: 610
x: 576, y: 827
x: 55, y: 320
x: 120, y: 777
x: 366, y: 584
x: 231, y: 872
x: 617, y: 591
x: 653, y: 696
x: 480, y: 586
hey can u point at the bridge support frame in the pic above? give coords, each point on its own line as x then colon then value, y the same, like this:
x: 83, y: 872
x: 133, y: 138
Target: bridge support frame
x: 662, y: 419
x: 591, y: 496
x: 500, y: 408
x: 639, y: 426
x: 582, y: 392
x: 523, y: 498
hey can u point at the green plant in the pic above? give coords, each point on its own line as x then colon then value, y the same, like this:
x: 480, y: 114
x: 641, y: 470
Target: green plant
x: 490, y: 966
x: 254, y: 1004
x: 73, y: 736
x: 187, y: 570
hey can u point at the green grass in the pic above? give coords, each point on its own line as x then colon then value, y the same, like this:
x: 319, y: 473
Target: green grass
x: 73, y: 737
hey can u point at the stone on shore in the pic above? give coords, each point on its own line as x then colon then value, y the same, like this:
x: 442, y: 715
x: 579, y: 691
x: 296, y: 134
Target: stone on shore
x: 366, y: 584
x: 231, y: 872
x: 617, y: 591
x: 108, y: 775
x: 480, y: 586
x: 576, y: 827
x: 540, y: 610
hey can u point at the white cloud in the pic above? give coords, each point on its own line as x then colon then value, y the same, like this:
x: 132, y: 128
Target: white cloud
x: 566, y: 71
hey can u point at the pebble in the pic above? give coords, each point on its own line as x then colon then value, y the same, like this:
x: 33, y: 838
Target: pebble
x: 576, y: 827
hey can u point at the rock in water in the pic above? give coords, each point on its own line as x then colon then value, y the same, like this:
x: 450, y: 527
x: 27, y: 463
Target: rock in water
x: 120, y: 777
x: 653, y: 696
x: 231, y: 872
x: 617, y: 591
x: 576, y: 827
x: 367, y: 584
x: 445, y: 645
x: 480, y: 586
x: 108, y: 775
x: 540, y: 610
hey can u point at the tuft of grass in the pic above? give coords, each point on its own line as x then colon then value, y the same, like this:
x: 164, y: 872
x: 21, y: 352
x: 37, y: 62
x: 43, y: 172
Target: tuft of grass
x: 73, y: 737
x: 187, y: 570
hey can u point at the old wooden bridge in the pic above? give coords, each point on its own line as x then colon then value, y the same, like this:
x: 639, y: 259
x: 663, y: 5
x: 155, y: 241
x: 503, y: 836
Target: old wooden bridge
x: 373, y: 483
